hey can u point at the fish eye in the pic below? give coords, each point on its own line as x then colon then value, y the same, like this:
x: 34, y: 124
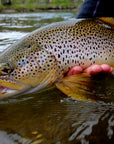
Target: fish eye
x: 5, y: 68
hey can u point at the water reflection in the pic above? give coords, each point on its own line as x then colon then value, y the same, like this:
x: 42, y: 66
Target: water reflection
x: 49, y: 117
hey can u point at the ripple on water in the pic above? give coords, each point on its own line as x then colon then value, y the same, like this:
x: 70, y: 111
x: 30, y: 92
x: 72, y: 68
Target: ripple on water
x: 7, y: 38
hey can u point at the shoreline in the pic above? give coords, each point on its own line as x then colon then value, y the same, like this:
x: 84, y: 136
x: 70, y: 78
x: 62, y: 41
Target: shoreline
x: 42, y: 9
x: 36, y: 6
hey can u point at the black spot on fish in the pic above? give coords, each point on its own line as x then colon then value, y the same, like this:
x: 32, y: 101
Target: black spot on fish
x: 76, y: 55
x: 63, y: 51
x: 29, y: 46
x: 67, y: 51
x: 55, y: 49
x: 58, y: 55
x: 60, y: 47
x: 51, y: 47
x: 106, y: 59
x: 73, y: 61
x: 68, y: 61
x: 65, y: 42
x: 109, y: 50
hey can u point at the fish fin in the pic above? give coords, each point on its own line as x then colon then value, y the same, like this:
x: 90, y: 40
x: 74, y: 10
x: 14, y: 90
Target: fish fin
x: 79, y: 87
x: 107, y: 20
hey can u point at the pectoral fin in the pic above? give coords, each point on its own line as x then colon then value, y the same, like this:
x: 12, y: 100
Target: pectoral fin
x: 79, y: 87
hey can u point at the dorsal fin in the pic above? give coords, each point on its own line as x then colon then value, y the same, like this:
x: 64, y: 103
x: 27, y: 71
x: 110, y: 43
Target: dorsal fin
x: 107, y: 20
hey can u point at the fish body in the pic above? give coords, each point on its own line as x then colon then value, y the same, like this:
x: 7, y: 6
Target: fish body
x: 46, y: 54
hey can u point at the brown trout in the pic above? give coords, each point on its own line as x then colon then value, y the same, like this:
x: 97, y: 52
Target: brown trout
x: 39, y: 59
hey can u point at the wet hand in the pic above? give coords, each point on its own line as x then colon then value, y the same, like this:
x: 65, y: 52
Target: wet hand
x: 92, y: 70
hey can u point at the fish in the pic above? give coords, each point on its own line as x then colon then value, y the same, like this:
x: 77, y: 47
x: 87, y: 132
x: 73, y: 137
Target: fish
x: 43, y: 57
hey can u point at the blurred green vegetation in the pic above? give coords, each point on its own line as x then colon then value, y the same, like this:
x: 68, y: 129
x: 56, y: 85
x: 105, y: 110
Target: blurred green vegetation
x: 33, y: 5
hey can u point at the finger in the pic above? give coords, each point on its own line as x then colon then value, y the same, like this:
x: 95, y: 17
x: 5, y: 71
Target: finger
x: 75, y: 70
x: 106, y: 68
x: 93, y: 69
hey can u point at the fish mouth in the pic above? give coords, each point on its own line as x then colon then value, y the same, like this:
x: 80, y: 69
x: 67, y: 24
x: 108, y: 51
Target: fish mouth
x: 9, y: 87
x: 5, y: 91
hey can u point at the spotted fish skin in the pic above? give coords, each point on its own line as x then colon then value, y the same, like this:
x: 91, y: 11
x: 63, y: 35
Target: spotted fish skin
x: 77, y: 43
x: 49, y: 52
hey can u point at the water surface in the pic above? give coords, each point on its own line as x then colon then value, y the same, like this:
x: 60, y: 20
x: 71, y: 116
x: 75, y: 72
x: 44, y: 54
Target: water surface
x: 49, y: 117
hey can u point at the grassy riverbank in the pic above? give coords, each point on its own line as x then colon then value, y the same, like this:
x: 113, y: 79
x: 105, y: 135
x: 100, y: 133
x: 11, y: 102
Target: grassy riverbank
x: 36, y: 5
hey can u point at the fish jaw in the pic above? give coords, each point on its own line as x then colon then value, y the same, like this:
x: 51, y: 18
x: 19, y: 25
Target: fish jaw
x: 5, y: 92
x: 10, y: 87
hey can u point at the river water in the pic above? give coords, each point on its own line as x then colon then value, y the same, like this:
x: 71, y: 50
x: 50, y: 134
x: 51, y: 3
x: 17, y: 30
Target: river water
x: 49, y: 117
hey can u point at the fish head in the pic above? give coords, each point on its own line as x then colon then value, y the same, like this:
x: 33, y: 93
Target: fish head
x: 26, y: 69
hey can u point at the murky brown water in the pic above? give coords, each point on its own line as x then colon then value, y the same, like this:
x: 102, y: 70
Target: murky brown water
x: 49, y: 117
